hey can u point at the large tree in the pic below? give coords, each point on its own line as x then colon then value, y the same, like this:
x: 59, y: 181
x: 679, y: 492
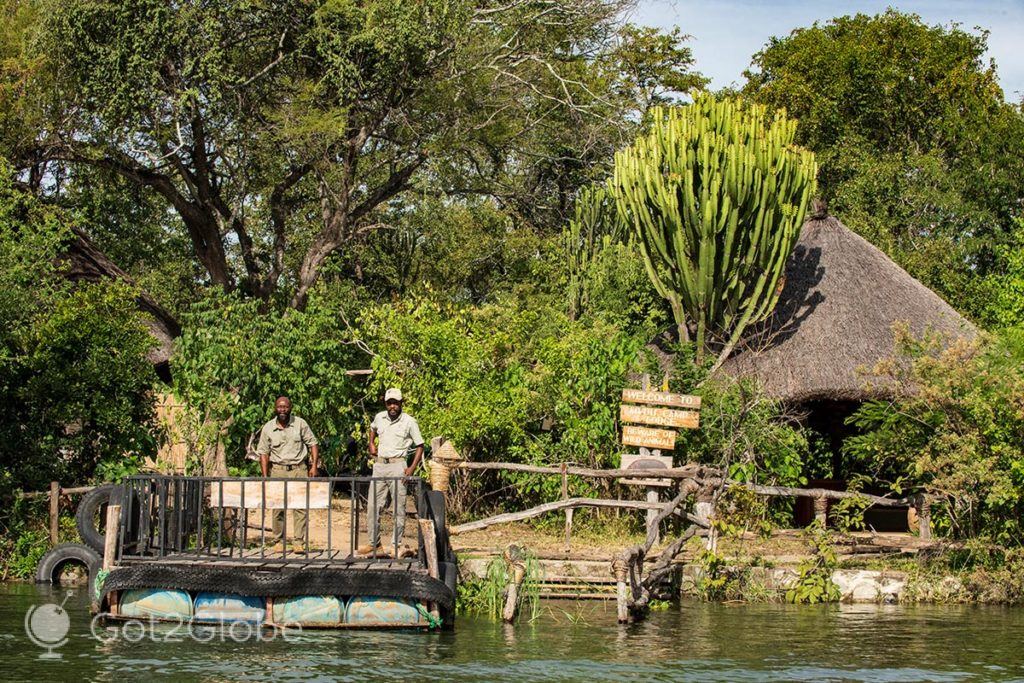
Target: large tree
x: 281, y: 132
x: 919, y: 150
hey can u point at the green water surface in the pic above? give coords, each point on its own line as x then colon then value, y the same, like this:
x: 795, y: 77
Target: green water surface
x: 566, y: 642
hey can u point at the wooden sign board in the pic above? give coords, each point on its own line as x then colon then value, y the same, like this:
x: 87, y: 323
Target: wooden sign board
x: 645, y: 463
x: 661, y: 398
x: 229, y: 494
x: 649, y: 438
x: 662, y: 417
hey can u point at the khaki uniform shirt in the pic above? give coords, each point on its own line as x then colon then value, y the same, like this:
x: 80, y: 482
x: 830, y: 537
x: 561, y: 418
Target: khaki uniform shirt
x: 396, y: 438
x: 286, y: 445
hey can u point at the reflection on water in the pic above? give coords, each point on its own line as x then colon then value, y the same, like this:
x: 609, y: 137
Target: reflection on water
x: 567, y: 642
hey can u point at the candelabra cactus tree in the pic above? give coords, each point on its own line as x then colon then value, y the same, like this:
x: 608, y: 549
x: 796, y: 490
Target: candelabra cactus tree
x: 715, y: 193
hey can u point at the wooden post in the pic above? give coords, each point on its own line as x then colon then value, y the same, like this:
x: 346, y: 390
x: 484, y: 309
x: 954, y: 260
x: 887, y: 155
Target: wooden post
x: 821, y: 510
x: 704, y: 511
x: 652, y: 515
x: 517, y: 572
x: 54, y: 512
x: 924, y: 516
x: 620, y: 568
x: 568, y: 511
x: 430, y: 545
x: 110, y: 538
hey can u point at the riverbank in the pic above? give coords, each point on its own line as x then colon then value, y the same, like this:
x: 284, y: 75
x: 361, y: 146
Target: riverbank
x: 869, y: 567
x: 887, y: 568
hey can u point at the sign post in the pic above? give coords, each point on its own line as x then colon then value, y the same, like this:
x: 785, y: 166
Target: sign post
x: 655, y: 410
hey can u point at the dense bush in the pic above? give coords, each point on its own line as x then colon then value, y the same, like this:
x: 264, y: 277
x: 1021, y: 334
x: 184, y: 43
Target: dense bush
x: 505, y: 382
x: 235, y: 358
x: 74, y: 378
x: 957, y: 435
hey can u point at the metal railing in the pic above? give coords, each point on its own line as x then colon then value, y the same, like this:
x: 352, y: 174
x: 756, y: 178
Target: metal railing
x: 232, y: 519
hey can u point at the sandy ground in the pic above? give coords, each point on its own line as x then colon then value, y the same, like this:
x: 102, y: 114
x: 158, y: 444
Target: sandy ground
x: 341, y: 522
x: 598, y: 542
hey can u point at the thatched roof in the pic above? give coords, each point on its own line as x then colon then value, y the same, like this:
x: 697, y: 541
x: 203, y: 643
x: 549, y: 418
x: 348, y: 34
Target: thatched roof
x: 835, y: 318
x: 85, y: 262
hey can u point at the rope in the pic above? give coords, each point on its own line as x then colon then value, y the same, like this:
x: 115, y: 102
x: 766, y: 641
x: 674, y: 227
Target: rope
x: 101, y: 577
x: 432, y: 621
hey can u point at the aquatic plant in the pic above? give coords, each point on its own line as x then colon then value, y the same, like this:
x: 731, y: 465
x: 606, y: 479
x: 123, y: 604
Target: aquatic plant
x: 814, y: 581
x: 486, y: 596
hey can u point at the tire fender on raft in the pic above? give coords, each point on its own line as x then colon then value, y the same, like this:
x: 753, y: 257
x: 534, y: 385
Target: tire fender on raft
x: 86, y: 514
x: 50, y: 565
x: 91, y: 525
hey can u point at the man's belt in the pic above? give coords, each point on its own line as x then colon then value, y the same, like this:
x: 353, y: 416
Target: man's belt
x: 386, y: 461
x: 289, y: 467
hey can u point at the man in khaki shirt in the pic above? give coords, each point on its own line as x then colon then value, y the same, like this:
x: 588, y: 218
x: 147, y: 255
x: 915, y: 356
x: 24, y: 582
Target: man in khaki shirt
x: 393, y: 435
x: 288, y: 449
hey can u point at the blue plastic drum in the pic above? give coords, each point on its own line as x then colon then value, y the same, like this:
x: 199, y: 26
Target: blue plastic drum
x: 224, y: 607
x: 370, y: 611
x: 155, y: 603
x: 308, y: 610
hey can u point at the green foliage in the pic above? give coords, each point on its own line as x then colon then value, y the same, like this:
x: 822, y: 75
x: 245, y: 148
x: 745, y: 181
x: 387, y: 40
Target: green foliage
x: 73, y: 367
x: 972, y: 572
x: 234, y: 359
x: 282, y: 134
x: 505, y: 383
x: 25, y: 535
x: 746, y: 432
x: 26, y: 551
x: 956, y: 436
x: 739, y: 510
x: 715, y: 194
x: 1005, y: 291
x: 654, y: 66
x: 847, y: 514
x: 919, y: 150
x: 814, y: 581
x: 722, y: 579
x: 486, y: 596
x: 606, y: 275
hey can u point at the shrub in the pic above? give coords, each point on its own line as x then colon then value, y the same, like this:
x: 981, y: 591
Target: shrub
x: 956, y: 435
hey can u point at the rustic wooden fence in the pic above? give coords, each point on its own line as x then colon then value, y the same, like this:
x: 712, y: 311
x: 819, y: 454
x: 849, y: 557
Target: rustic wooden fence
x: 54, y: 495
x: 635, y: 586
x: 704, y: 477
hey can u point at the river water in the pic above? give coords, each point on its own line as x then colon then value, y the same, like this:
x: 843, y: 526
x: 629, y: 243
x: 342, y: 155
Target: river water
x: 567, y: 641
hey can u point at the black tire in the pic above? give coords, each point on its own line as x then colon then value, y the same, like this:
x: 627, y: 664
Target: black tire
x: 52, y: 563
x: 450, y: 575
x: 90, y: 516
x: 88, y: 510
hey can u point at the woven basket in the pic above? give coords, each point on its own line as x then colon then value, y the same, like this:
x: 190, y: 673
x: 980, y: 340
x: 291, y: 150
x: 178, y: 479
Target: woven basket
x: 439, y: 476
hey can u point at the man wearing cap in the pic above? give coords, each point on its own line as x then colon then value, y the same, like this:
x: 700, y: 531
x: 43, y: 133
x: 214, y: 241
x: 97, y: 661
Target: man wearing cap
x: 288, y: 449
x: 393, y: 434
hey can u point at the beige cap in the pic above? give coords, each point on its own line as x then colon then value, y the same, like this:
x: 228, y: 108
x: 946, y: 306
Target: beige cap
x: 392, y: 394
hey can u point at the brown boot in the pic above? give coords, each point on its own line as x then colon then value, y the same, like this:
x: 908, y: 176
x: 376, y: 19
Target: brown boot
x: 368, y: 549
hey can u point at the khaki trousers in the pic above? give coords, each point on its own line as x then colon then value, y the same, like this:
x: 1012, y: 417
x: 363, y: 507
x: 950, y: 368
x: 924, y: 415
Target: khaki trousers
x: 380, y: 492
x: 298, y: 529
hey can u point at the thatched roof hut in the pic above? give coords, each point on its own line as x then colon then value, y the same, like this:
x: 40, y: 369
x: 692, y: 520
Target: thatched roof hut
x: 835, y: 316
